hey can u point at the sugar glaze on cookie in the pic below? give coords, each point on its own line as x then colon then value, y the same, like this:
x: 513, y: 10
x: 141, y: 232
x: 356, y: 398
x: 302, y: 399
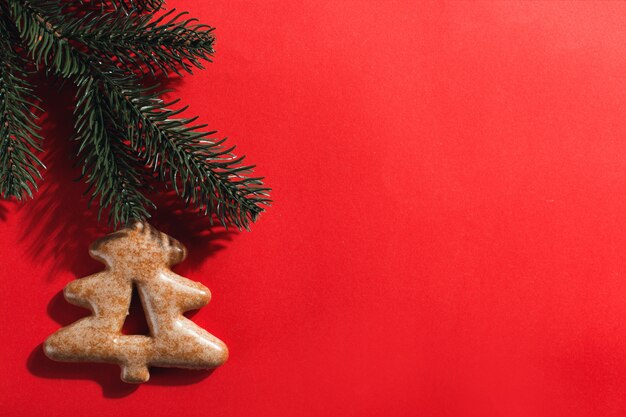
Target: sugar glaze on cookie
x: 140, y: 256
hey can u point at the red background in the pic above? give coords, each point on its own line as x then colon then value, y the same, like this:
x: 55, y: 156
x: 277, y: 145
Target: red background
x: 447, y: 237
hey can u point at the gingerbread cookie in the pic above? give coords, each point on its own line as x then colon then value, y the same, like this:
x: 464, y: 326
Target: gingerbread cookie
x: 137, y: 256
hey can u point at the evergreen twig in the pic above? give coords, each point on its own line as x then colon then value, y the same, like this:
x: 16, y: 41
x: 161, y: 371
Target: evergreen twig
x: 19, y: 166
x: 125, y: 130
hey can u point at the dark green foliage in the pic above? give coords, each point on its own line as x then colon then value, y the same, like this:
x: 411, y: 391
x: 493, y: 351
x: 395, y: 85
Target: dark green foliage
x: 108, y: 164
x: 127, y: 134
x: 19, y: 167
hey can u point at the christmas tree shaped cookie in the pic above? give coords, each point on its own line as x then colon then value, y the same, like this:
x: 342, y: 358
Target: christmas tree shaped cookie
x: 137, y: 256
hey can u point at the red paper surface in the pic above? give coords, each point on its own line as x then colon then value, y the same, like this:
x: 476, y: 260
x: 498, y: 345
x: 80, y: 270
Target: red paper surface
x: 448, y: 235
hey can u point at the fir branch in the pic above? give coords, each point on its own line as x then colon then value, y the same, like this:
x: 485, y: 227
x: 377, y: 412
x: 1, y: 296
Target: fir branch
x: 19, y: 166
x: 161, y: 45
x: 201, y: 170
x: 46, y: 44
x: 111, y: 171
x: 128, y: 5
